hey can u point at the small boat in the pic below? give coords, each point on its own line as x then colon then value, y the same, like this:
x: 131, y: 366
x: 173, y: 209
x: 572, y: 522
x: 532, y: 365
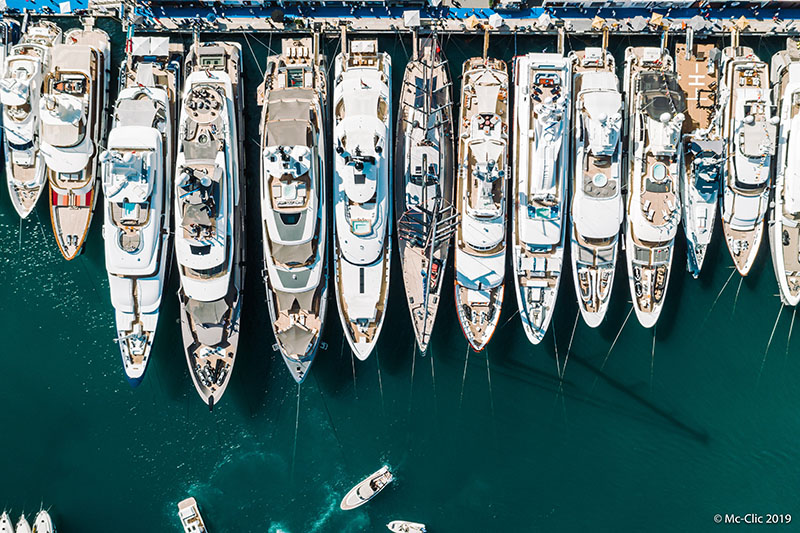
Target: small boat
x: 136, y: 170
x: 750, y: 132
x: 20, y: 93
x: 22, y: 525
x: 402, y: 526
x: 655, y: 114
x: 424, y: 182
x: 480, y: 258
x: 209, y: 214
x: 6, y: 526
x: 596, y: 207
x: 698, y: 77
x: 367, y: 489
x: 783, y: 228
x: 43, y: 523
x: 189, y: 514
x: 543, y: 89
x: 293, y: 199
x: 362, y: 140
x: 72, y: 130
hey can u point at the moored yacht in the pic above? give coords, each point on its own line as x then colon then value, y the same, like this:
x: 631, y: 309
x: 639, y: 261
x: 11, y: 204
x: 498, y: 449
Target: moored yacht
x: 480, y: 258
x: 362, y: 141
x: 293, y: 199
x: 655, y: 108
x: 43, y: 523
x: 6, y: 526
x: 23, y: 526
x: 209, y: 214
x: 543, y: 89
x: 136, y: 170
x: 784, y: 224
x: 596, y: 208
x: 424, y: 182
x: 72, y: 129
x: 698, y: 75
x: 749, y: 130
x: 20, y: 92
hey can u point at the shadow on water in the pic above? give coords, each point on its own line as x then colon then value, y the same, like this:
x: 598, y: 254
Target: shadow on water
x: 546, y: 381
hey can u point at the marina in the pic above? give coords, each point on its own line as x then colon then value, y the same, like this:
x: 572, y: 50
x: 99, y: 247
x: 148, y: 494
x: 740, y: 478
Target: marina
x: 347, y: 154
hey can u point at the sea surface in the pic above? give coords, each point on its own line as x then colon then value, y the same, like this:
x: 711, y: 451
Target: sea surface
x: 644, y: 430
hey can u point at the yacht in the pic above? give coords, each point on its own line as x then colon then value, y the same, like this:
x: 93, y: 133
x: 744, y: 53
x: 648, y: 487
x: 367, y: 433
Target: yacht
x: 784, y: 224
x: 403, y: 526
x: 367, y: 489
x: 480, y: 258
x: 22, y: 525
x: 596, y: 208
x: 424, y: 182
x: 20, y: 92
x: 6, y: 526
x: 750, y: 131
x: 698, y: 77
x: 293, y: 199
x: 543, y: 89
x: 9, y: 35
x: 71, y: 132
x: 362, y: 196
x: 43, y: 523
x: 209, y: 214
x: 136, y: 170
x: 655, y: 114
x: 191, y: 520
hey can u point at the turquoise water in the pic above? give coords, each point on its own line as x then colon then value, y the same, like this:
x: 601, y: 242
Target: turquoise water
x: 659, y: 434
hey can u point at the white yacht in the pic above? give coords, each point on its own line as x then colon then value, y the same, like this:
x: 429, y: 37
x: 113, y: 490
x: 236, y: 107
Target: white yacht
x: 43, y: 523
x: 9, y: 35
x: 72, y: 129
x: 367, y: 489
x: 596, y: 208
x: 137, y: 168
x: 189, y: 514
x: 293, y: 199
x: 6, y: 526
x: 655, y: 114
x: 362, y: 141
x: 543, y: 89
x: 784, y: 216
x: 209, y: 214
x: 698, y: 76
x: 750, y: 131
x: 480, y: 259
x: 23, y: 526
x: 424, y: 182
x: 20, y: 92
x: 404, y: 526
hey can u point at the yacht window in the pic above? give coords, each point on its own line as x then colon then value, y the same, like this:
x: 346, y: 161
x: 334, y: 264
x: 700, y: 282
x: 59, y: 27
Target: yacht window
x: 70, y: 176
x: 290, y: 219
x: 26, y: 146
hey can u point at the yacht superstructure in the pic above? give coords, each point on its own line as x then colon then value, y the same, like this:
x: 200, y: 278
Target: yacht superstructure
x: 20, y: 93
x: 655, y: 108
x: 209, y: 214
x: 698, y: 75
x: 543, y: 90
x: 362, y: 141
x: 749, y: 130
x: 480, y: 258
x: 596, y: 207
x: 424, y: 182
x: 784, y: 216
x: 137, y: 170
x: 293, y: 199
x: 72, y: 130
x: 9, y: 35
